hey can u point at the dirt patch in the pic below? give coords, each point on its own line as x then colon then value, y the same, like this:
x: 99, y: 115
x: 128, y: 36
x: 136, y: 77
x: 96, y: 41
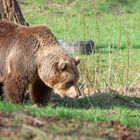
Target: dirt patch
x: 19, y: 126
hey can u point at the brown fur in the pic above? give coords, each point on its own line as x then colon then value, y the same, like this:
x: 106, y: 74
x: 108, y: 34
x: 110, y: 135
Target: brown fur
x: 32, y: 55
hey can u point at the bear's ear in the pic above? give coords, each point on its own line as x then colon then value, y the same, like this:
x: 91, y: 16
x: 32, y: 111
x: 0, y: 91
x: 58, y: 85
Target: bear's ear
x: 77, y: 60
x: 63, y: 65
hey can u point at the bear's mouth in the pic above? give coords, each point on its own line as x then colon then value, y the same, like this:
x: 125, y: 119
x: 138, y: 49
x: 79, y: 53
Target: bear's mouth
x: 71, y: 93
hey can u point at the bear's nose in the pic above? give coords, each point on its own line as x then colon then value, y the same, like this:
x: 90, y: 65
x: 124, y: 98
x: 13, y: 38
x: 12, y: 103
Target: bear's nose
x: 73, y: 92
x: 76, y: 97
x: 78, y: 94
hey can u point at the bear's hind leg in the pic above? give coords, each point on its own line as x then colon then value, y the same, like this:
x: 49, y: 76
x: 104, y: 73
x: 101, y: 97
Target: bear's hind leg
x: 14, y: 88
x: 1, y: 88
x: 40, y: 94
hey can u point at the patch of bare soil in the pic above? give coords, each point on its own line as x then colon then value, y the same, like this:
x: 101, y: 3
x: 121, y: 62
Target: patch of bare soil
x: 19, y: 126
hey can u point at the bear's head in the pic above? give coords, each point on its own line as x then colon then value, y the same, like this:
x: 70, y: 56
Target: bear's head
x: 61, y: 74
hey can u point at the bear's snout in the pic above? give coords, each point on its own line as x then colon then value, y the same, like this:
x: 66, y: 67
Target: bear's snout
x: 72, y: 92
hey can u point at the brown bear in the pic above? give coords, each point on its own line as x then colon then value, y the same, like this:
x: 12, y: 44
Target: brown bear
x: 32, y: 56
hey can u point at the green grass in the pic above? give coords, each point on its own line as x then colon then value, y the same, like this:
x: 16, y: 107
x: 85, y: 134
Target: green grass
x: 79, y: 15
x: 117, y: 61
x: 100, y: 107
x: 126, y: 116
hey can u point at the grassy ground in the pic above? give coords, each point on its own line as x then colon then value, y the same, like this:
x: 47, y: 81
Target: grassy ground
x: 114, y: 26
x: 76, y: 20
x: 111, y: 106
x: 103, y: 116
x: 36, y: 128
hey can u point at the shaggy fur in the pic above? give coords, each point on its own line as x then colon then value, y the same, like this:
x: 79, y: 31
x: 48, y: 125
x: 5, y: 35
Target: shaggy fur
x: 32, y: 55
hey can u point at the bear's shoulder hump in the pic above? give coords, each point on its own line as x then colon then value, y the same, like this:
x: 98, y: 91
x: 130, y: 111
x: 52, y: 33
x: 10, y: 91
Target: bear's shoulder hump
x: 7, y: 27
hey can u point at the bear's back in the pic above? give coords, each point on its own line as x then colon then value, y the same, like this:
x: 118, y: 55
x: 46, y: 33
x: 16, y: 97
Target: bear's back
x: 6, y: 28
x: 9, y: 30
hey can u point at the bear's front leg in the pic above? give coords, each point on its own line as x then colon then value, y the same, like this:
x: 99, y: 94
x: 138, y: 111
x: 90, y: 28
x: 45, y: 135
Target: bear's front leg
x: 40, y: 94
x: 15, y: 87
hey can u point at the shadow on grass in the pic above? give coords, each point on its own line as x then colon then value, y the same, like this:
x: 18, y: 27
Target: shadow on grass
x: 112, y: 46
x: 99, y: 100
x: 104, y: 49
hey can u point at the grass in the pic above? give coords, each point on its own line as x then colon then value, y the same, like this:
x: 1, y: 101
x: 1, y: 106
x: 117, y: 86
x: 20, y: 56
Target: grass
x: 126, y: 116
x: 79, y: 14
x: 116, y: 75
x: 105, y: 116
x: 102, y: 108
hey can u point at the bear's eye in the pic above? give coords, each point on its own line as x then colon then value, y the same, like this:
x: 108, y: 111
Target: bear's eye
x: 70, y: 83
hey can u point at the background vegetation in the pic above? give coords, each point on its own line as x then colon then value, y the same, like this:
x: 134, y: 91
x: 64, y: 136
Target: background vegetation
x: 112, y: 24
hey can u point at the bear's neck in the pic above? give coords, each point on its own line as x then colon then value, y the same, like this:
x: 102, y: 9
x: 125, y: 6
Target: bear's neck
x: 52, y: 49
x: 54, y: 52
